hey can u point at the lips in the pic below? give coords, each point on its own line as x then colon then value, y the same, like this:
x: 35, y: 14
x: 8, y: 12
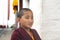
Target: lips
x: 30, y: 24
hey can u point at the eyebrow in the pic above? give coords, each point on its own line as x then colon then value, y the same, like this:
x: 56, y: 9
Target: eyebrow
x: 27, y: 15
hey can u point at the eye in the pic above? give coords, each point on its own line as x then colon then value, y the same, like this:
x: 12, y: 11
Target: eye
x: 27, y: 17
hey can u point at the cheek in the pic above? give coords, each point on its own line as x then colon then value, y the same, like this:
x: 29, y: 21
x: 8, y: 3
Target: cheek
x: 23, y: 21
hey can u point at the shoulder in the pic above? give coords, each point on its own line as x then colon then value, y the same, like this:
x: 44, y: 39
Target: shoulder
x: 15, y: 35
x: 15, y: 32
x: 35, y: 33
x: 33, y: 30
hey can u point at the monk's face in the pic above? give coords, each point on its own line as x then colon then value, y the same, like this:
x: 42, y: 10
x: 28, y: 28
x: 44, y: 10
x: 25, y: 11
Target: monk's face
x: 27, y: 19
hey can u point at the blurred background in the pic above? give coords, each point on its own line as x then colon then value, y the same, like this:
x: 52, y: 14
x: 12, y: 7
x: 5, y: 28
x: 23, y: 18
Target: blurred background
x: 46, y: 15
x: 8, y: 12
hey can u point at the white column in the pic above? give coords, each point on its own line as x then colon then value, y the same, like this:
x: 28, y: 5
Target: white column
x: 25, y: 4
x: 11, y: 20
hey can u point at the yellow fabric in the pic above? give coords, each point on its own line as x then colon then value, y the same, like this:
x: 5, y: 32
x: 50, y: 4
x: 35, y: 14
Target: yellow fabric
x: 32, y: 38
x: 15, y: 11
x: 15, y: 2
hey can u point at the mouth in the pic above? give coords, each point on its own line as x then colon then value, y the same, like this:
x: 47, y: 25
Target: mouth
x: 30, y: 24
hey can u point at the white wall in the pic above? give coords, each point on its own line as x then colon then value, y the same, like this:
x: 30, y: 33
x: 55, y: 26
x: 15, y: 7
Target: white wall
x: 36, y: 7
x: 4, y: 13
x: 51, y: 20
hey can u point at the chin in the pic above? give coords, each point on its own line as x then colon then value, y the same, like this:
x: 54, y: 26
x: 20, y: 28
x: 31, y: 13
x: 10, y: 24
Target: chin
x: 29, y: 26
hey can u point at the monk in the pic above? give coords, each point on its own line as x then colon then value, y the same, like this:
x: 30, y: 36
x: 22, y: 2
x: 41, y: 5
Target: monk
x: 24, y: 32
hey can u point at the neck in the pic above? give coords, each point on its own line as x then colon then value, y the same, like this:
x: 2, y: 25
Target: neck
x: 25, y: 28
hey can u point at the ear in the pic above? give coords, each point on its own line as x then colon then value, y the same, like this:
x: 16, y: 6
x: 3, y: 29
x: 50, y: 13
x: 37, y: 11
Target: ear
x: 18, y: 19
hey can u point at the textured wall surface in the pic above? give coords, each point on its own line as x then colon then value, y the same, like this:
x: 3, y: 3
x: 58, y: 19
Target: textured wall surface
x: 51, y: 20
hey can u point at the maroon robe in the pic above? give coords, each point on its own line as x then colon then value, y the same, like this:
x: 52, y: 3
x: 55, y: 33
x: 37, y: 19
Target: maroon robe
x: 21, y: 34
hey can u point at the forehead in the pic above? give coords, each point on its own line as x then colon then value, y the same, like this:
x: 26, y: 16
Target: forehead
x: 28, y: 12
